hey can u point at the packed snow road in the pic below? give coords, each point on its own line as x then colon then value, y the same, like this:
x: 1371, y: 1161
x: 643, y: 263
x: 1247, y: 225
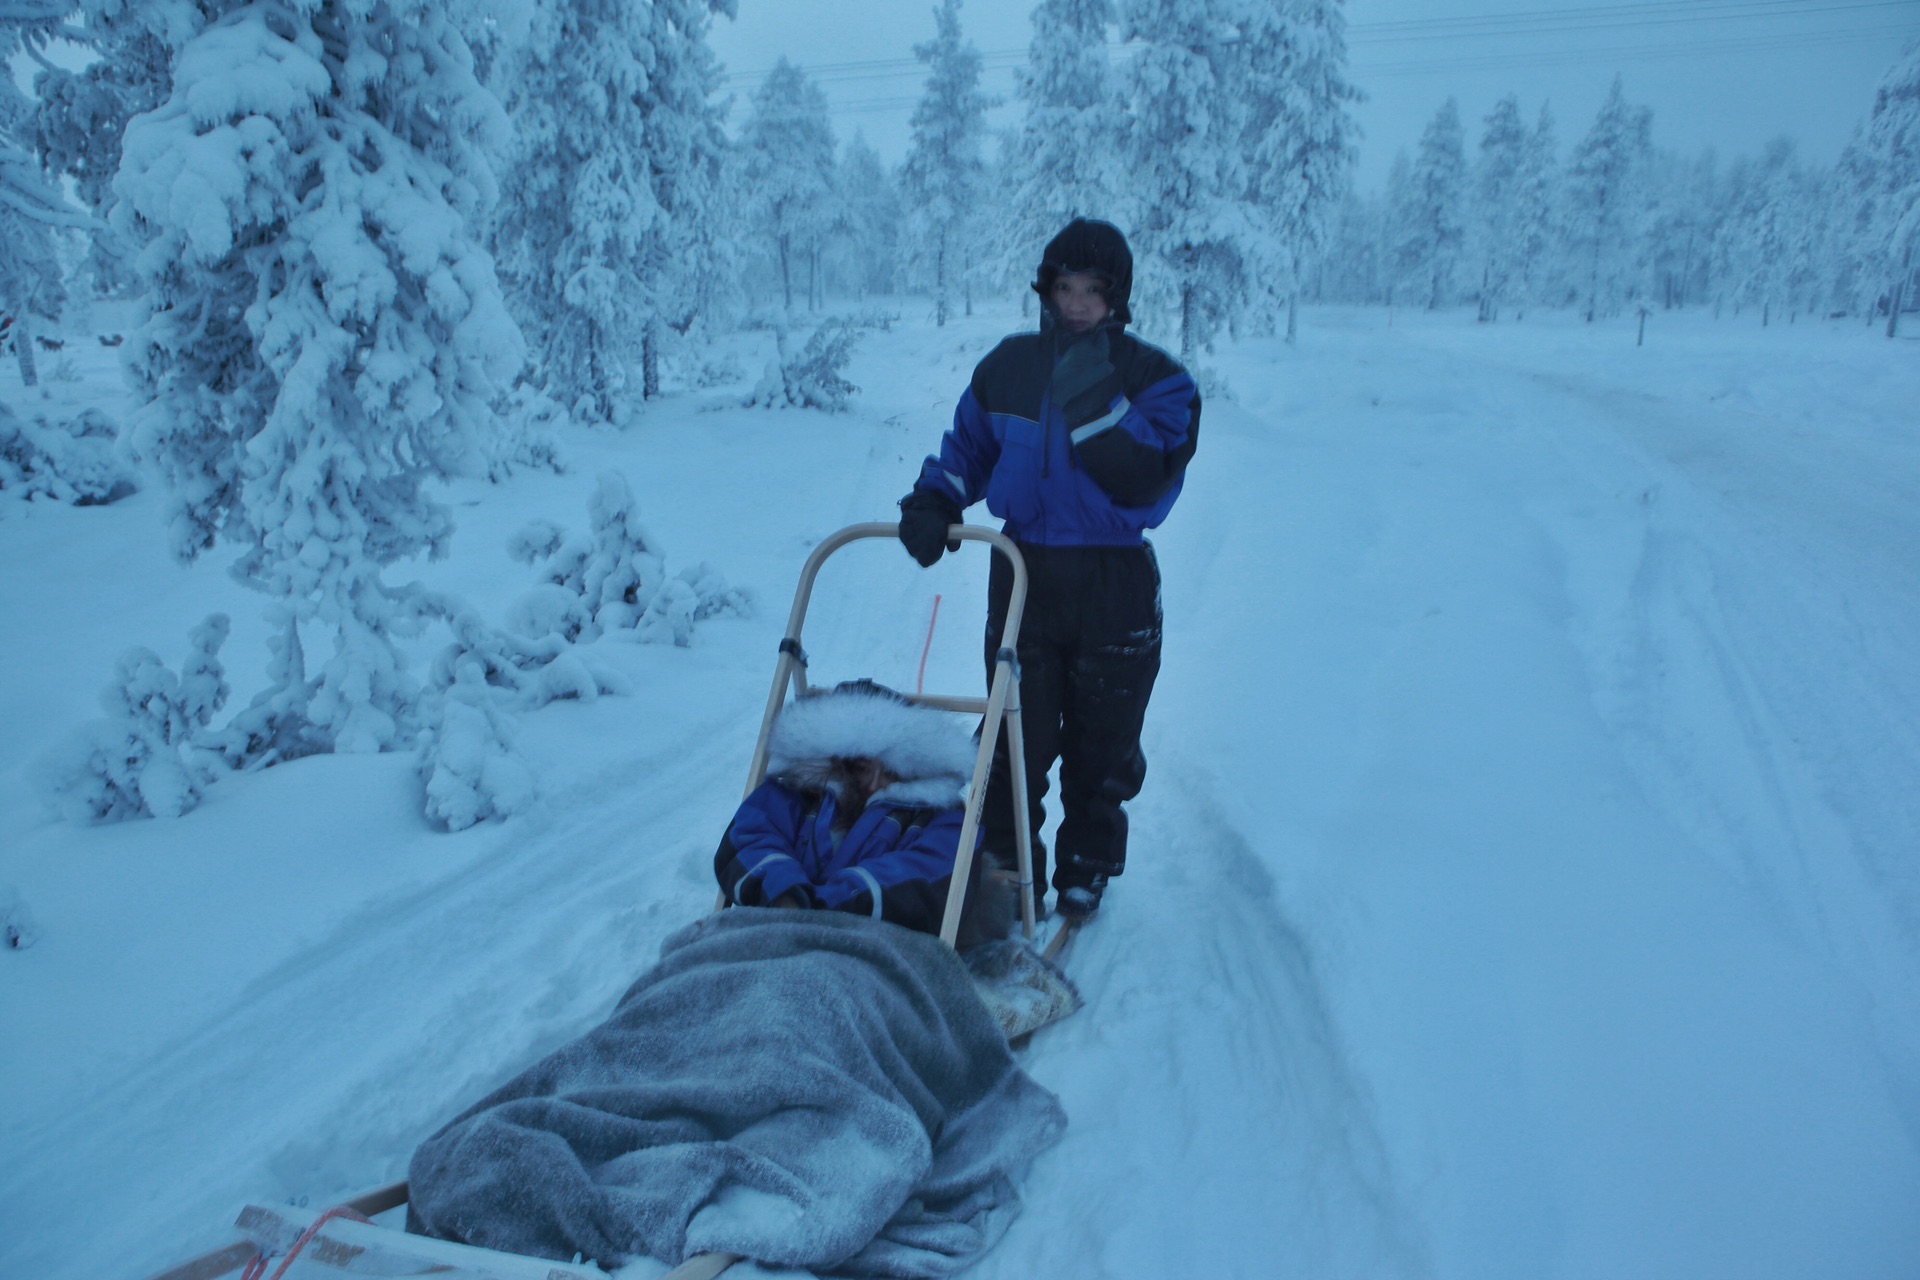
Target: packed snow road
x: 1524, y: 882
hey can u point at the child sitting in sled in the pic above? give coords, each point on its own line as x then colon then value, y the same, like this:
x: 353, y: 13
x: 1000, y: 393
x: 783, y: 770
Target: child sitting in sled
x: 861, y: 812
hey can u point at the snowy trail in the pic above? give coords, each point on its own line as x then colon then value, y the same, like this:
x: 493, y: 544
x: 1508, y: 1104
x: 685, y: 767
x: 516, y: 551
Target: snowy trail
x: 336, y: 1063
x: 1522, y: 885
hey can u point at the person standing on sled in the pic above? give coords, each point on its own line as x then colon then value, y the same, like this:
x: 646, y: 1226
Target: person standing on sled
x: 1078, y: 438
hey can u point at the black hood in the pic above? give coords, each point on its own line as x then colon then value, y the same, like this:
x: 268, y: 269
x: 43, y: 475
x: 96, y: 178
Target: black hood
x: 1087, y: 244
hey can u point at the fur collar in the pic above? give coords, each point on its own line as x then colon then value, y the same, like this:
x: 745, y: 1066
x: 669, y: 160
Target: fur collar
x: 928, y: 750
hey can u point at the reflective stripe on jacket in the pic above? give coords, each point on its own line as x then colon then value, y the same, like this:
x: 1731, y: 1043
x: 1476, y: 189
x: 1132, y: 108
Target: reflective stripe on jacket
x: 1097, y: 470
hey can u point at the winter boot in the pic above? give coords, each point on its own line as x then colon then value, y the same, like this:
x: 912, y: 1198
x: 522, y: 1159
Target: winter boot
x: 1081, y: 901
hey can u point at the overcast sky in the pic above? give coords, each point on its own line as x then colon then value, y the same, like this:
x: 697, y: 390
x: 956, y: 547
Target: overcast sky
x: 1724, y: 73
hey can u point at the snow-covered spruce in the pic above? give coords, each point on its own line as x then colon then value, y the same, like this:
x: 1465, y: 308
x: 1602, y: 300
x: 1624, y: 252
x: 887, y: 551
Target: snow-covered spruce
x: 1880, y: 176
x: 1065, y: 162
x: 614, y: 579
x: 609, y: 233
x: 467, y: 763
x: 77, y: 461
x: 1494, y: 210
x: 1192, y: 231
x: 809, y: 378
x: 324, y: 331
x: 871, y: 225
x: 468, y: 766
x: 148, y: 758
x: 787, y: 171
x: 32, y: 287
x: 1300, y: 140
x: 1605, y: 201
x: 81, y: 116
x: 1434, y: 219
x: 943, y: 179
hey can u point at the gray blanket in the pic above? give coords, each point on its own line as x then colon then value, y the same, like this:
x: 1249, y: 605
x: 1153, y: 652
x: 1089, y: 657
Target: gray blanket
x: 810, y: 1089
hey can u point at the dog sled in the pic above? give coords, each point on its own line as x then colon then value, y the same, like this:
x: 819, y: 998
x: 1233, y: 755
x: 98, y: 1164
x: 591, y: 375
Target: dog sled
x: 1022, y: 988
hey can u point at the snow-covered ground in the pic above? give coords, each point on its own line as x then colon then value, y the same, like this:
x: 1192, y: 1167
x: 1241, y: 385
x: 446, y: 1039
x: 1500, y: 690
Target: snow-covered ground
x: 1527, y: 881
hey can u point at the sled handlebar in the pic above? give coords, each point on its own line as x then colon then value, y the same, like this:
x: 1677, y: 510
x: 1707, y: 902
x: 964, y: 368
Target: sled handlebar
x: 1000, y: 706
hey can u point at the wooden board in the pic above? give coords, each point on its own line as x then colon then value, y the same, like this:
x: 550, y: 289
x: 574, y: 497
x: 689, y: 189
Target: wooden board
x: 345, y: 1247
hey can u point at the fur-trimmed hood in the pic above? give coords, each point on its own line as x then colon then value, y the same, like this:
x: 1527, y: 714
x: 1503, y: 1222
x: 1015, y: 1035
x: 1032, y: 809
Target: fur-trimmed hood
x: 928, y: 750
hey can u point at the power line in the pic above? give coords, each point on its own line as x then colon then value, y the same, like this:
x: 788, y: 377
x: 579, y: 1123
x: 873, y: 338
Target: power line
x: 1496, y: 62
x: 1501, y: 61
x: 1539, y: 22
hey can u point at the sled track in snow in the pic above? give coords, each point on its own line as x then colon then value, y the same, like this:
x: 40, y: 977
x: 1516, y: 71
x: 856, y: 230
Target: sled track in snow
x: 384, y: 1028
x: 1199, y: 989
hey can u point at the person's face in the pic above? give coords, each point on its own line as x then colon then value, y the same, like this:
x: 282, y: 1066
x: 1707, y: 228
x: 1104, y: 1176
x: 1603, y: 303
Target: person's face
x: 1079, y: 299
x: 864, y: 777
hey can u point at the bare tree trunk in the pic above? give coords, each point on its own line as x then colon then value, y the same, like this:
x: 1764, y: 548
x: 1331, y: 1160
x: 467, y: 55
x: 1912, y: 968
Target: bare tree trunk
x: 1293, y: 317
x: 650, y: 361
x: 1186, y: 324
x: 23, y: 348
x: 940, y: 285
x: 786, y: 272
x: 1898, y: 293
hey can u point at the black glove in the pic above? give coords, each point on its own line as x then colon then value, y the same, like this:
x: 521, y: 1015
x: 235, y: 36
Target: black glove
x: 924, y: 518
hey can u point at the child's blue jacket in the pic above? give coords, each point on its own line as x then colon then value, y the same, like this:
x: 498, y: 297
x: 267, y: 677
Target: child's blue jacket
x: 1071, y: 440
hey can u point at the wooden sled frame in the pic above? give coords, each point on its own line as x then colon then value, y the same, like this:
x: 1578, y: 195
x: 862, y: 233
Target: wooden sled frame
x: 1000, y: 707
x: 342, y: 1240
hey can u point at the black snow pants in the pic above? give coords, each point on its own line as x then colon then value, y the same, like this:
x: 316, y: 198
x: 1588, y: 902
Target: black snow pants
x: 1089, y: 650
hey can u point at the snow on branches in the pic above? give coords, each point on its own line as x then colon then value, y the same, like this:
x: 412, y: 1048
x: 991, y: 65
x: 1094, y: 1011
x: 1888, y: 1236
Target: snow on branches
x: 76, y: 462
x: 324, y: 331
x: 944, y: 177
x: 809, y: 378
x: 151, y: 757
x: 614, y: 579
x: 609, y: 228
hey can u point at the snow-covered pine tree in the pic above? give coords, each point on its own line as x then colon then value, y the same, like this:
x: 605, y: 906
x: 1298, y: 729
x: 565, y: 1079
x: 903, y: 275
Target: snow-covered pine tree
x: 787, y: 166
x: 144, y: 760
x: 1680, y: 227
x: 32, y: 285
x: 324, y: 331
x: 695, y: 248
x: 80, y: 116
x: 77, y: 461
x: 943, y: 178
x: 1883, y: 168
x: 1770, y: 224
x: 1439, y: 181
x: 1301, y: 138
x: 1350, y: 270
x: 1536, y: 202
x: 1193, y: 233
x: 1734, y: 262
x: 1402, y: 241
x: 1496, y: 203
x: 1605, y: 200
x: 1064, y: 155
x: 603, y: 223
x: 871, y: 215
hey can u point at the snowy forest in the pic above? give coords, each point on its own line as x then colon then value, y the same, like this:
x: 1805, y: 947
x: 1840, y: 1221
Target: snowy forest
x: 375, y: 244
x: 413, y: 414
x: 380, y: 243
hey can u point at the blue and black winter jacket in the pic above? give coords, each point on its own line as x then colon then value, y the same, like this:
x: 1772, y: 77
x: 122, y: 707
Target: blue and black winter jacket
x: 892, y: 859
x: 1070, y: 439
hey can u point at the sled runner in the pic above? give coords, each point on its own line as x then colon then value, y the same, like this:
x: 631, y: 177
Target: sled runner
x: 1022, y: 990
